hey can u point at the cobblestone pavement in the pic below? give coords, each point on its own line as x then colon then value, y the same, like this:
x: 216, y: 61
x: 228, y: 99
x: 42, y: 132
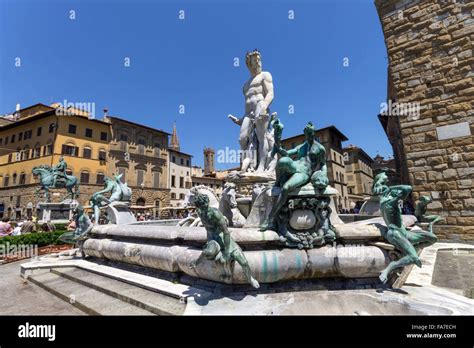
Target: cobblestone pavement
x: 19, y: 297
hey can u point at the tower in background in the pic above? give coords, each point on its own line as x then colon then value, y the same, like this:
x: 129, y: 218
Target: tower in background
x: 174, y: 143
x: 209, y: 161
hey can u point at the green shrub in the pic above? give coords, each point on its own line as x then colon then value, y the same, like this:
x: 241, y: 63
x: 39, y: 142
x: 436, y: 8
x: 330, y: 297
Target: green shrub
x: 39, y: 239
x: 61, y: 226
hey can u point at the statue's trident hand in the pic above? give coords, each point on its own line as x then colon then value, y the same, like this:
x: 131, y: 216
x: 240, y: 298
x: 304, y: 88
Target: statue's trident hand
x: 235, y: 119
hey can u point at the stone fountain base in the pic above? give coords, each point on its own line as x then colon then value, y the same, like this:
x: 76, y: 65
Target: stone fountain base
x: 360, y: 253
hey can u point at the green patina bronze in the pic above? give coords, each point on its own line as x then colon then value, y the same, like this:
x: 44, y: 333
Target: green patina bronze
x: 82, y: 230
x: 420, y: 211
x: 396, y: 233
x: 119, y: 192
x: 309, y: 166
x: 56, y: 177
x: 220, y: 246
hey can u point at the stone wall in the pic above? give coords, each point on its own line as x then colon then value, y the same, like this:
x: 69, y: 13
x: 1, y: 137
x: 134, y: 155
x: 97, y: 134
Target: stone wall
x: 429, y: 47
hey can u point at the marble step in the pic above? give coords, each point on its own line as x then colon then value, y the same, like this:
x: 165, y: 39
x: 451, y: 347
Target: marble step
x: 88, y: 300
x: 152, y: 301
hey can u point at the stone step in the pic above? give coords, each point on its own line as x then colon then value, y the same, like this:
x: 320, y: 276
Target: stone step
x: 152, y: 301
x: 88, y: 300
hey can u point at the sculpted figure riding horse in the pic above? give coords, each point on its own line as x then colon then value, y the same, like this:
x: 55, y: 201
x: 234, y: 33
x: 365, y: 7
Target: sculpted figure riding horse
x: 56, y: 177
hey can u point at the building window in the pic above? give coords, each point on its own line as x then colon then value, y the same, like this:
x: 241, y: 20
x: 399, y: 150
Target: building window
x: 103, y: 136
x: 20, y: 136
x: 25, y: 154
x: 28, y: 134
x: 10, y: 158
x: 141, y: 146
x: 72, y: 129
x: 140, y: 176
x: 22, y: 178
x: 36, y: 152
x: 48, y: 150
x: 51, y: 128
x: 173, y: 181
x: 12, y: 139
x: 14, y: 179
x: 102, y: 155
x: 88, y: 132
x: 187, y: 163
x: 173, y: 159
x: 156, y: 180
x: 181, y: 196
x: 173, y: 195
x: 69, y: 150
x: 38, y: 131
x: 123, y: 137
x: 87, y: 152
x: 181, y: 161
x: 100, y: 178
x: 84, y: 177
x: 181, y: 182
x: 6, y: 181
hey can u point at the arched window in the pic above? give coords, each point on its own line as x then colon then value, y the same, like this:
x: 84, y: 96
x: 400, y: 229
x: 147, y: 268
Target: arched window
x: 87, y: 152
x: 70, y: 149
x: 22, y: 179
x: 37, y: 151
x: 25, y: 154
x: 141, y: 201
x: 84, y: 177
x: 14, y: 179
x: 18, y: 154
x: 6, y: 181
x: 100, y: 178
x: 48, y: 150
x: 102, y: 155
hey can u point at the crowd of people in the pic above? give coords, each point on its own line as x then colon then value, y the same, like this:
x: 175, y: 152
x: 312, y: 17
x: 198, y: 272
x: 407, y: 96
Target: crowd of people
x: 9, y: 228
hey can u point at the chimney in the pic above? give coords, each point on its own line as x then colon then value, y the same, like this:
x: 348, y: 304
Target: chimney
x: 16, y: 115
x: 106, y: 110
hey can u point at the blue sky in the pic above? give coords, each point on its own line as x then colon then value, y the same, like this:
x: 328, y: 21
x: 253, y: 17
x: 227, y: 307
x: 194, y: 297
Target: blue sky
x: 190, y: 62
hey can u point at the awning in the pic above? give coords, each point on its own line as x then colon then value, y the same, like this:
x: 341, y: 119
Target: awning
x: 142, y: 207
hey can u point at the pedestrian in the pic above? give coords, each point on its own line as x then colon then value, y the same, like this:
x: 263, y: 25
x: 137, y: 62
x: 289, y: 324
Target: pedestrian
x: 5, y: 227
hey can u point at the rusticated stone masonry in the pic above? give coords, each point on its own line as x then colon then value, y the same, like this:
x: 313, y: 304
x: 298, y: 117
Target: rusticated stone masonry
x: 429, y: 45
